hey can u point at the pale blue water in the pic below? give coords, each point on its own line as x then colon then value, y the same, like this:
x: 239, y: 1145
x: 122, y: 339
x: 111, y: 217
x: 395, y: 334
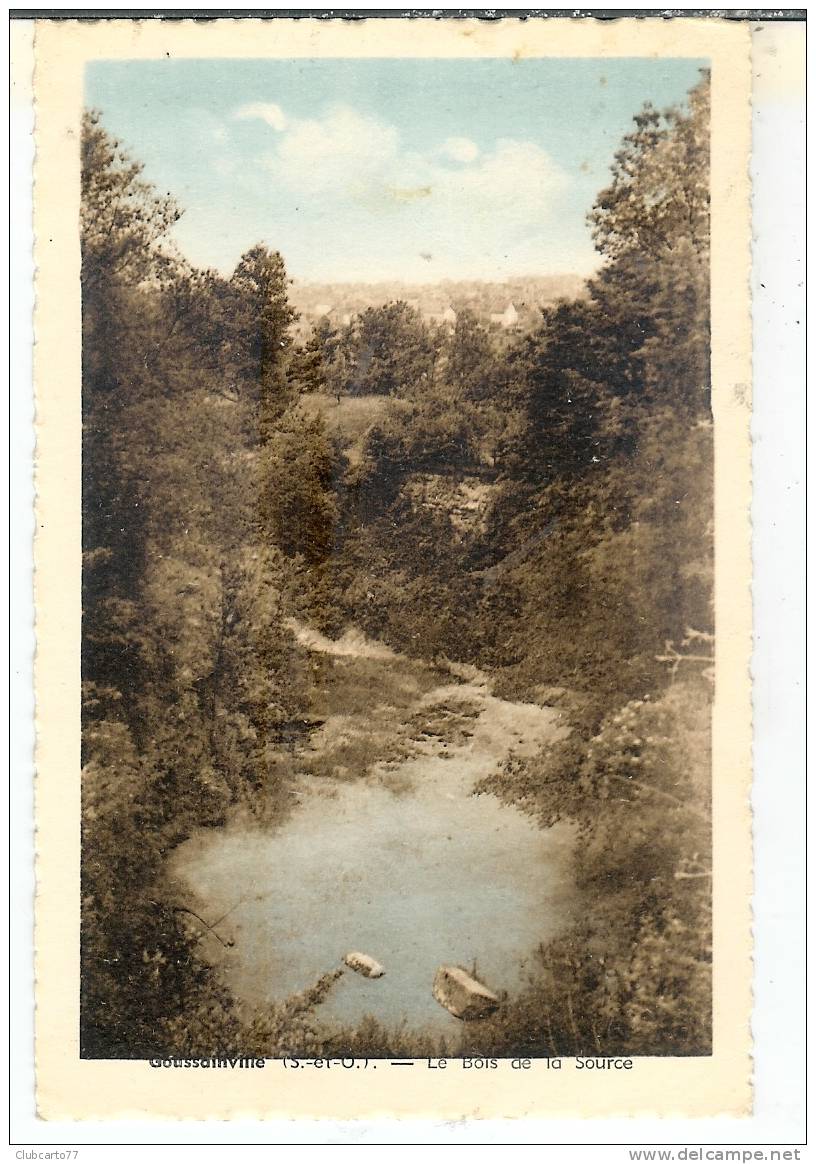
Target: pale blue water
x: 415, y: 879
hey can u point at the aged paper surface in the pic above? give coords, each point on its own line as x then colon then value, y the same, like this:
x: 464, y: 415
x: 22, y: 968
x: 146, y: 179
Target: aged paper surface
x: 110, y: 1074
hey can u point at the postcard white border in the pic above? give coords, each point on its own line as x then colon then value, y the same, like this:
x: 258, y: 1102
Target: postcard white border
x: 69, y: 1087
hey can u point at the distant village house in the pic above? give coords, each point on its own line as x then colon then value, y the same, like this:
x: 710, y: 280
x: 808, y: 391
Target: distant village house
x: 446, y: 317
x: 507, y: 318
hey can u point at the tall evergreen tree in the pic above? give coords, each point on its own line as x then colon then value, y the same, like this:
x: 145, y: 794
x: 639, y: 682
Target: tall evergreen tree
x: 260, y: 333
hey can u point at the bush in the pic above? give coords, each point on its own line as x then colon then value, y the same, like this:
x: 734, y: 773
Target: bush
x: 635, y: 977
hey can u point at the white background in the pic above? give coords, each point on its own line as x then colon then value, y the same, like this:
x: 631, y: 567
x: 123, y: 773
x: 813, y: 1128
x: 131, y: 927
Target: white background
x: 778, y: 516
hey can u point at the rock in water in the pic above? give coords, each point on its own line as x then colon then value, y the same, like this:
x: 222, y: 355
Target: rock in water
x: 364, y: 965
x: 461, y: 994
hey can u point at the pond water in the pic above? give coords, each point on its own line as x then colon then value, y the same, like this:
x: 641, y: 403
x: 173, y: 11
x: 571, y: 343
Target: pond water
x: 413, y: 871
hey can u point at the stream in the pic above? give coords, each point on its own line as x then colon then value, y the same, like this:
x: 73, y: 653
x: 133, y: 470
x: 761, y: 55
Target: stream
x: 403, y: 864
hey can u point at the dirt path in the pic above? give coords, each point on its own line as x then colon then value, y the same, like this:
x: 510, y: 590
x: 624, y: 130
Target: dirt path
x: 459, y: 721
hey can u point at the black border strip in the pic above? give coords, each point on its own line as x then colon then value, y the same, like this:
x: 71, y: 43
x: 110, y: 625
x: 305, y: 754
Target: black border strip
x: 492, y: 14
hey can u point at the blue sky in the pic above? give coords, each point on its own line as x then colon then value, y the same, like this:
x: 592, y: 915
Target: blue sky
x: 384, y: 169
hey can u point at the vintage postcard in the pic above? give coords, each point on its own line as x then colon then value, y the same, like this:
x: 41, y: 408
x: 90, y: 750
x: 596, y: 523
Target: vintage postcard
x: 393, y: 568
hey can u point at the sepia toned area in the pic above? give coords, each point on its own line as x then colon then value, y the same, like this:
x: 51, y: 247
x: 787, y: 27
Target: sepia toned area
x: 397, y: 629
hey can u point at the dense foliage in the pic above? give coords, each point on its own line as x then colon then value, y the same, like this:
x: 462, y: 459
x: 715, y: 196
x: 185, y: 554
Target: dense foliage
x: 551, y: 492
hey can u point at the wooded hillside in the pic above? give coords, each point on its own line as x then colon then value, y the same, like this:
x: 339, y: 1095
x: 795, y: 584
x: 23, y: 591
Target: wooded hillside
x: 536, y: 503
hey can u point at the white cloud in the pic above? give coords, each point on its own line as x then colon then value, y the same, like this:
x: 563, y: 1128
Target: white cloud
x: 517, y: 179
x: 344, y: 151
x: 266, y: 111
x: 348, y: 179
x: 460, y: 149
x: 346, y: 154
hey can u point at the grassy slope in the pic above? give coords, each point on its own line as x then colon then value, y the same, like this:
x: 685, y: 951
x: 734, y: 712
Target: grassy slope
x: 351, y: 418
